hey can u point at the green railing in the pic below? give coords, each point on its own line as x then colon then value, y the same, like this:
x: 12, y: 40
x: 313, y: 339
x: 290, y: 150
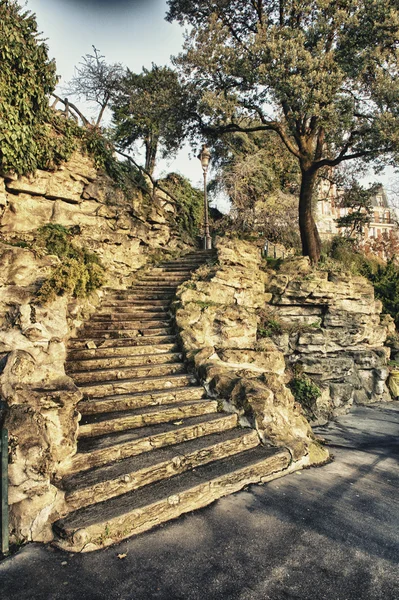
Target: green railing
x: 4, y: 491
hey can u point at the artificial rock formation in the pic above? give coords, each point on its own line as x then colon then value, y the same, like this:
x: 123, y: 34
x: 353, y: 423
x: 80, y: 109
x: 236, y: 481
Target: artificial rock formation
x: 120, y: 230
x: 218, y: 318
x: 335, y: 333
x: 37, y: 400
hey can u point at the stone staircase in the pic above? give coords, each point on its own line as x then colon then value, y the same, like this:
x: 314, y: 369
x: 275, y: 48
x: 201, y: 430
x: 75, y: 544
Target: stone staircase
x: 151, y: 445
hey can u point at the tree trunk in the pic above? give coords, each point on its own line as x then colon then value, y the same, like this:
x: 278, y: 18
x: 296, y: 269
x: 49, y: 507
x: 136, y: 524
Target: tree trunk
x: 311, y: 243
x: 151, y: 147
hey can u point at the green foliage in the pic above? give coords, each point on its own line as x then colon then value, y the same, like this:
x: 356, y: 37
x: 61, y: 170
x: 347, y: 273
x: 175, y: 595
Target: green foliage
x: 269, y: 328
x: 31, y: 134
x: 80, y: 271
x: 358, y: 202
x: 383, y: 276
x: 190, y: 204
x: 305, y: 391
x: 149, y: 107
x: 320, y: 74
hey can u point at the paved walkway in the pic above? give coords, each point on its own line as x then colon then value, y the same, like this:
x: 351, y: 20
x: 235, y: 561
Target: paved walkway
x: 329, y: 533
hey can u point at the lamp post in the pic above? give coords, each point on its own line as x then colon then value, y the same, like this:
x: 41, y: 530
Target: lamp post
x: 205, y: 157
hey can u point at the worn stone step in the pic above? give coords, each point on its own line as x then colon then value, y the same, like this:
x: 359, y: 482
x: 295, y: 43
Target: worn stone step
x: 90, y: 333
x: 132, y: 315
x: 136, y: 304
x: 121, y: 402
x: 98, y: 390
x: 93, y: 452
x: 118, y: 478
x: 100, y: 424
x: 166, y: 278
x: 127, y: 324
x: 124, y: 342
x: 163, y: 292
x: 113, y: 362
x: 111, y: 374
x: 143, y: 295
x: 119, y: 351
x: 109, y: 522
x: 173, y: 272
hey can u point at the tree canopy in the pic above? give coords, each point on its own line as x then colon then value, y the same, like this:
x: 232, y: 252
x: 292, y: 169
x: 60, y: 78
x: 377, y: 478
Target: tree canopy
x: 149, y: 107
x: 322, y: 74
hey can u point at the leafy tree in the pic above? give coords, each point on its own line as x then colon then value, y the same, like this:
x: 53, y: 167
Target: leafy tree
x: 149, y: 106
x: 261, y: 180
x: 359, y: 207
x: 31, y: 134
x: 251, y: 167
x: 321, y: 74
x: 95, y: 81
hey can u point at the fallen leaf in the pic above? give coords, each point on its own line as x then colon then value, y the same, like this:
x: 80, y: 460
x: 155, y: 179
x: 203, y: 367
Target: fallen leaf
x: 177, y: 422
x: 122, y: 555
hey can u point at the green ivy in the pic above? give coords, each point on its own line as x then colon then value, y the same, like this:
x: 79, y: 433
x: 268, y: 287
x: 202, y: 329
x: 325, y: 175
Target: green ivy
x: 190, y: 204
x: 32, y: 135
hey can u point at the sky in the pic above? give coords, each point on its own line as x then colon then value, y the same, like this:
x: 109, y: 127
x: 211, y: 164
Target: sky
x: 131, y: 32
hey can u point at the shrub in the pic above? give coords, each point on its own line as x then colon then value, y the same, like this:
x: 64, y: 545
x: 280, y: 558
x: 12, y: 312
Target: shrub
x: 305, y: 391
x: 80, y: 271
x: 383, y: 276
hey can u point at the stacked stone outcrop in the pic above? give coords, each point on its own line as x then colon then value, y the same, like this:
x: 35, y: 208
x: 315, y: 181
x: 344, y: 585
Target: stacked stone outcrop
x: 218, y: 319
x: 334, y: 331
x: 121, y: 230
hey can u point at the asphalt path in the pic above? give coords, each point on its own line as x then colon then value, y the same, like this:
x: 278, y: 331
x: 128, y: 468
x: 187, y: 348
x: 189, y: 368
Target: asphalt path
x: 329, y: 533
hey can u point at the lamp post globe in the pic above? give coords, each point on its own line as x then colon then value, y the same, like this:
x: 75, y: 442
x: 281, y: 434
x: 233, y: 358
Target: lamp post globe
x: 205, y: 157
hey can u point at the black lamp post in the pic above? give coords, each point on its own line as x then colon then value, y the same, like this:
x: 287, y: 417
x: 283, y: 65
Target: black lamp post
x: 205, y: 157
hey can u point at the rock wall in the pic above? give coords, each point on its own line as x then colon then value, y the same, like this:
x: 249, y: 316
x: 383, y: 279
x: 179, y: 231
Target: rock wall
x: 334, y: 331
x: 121, y: 230
x: 38, y: 401
x: 217, y: 315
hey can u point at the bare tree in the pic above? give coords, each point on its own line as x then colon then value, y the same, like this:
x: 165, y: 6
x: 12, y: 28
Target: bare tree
x: 95, y: 81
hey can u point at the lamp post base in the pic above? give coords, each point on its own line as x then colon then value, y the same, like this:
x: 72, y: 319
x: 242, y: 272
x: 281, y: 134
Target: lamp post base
x: 207, y: 242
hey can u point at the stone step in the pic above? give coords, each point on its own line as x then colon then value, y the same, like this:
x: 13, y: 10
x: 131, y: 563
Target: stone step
x: 144, y: 287
x: 109, y: 522
x: 101, y: 424
x: 144, y: 384
x: 89, y: 333
x: 122, y: 342
x: 127, y: 324
x: 121, y: 402
x: 116, y: 351
x: 132, y: 315
x: 163, y: 278
x: 112, y: 374
x: 94, y: 452
x: 170, y: 272
x: 118, y: 478
x: 112, y: 362
x: 136, y: 304
x: 143, y: 295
